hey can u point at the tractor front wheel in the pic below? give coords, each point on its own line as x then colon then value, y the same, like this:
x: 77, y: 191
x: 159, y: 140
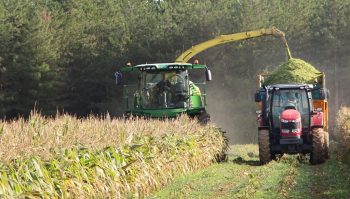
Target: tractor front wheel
x: 317, y: 155
x: 264, y: 146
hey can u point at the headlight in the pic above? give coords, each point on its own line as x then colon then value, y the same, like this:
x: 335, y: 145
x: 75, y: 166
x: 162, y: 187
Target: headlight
x: 285, y: 131
x: 295, y: 130
x: 297, y: 120
x: 284, y: 121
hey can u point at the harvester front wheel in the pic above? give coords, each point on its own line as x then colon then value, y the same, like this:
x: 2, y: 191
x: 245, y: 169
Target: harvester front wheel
x: 264, y: 146
x: 317, y: 155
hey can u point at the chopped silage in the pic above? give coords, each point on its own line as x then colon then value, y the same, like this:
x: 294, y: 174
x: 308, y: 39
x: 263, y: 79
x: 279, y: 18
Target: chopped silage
x: 293, y: 71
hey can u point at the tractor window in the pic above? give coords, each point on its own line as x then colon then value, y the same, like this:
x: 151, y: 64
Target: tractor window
x: 296, y: 99
x: 164, y: 89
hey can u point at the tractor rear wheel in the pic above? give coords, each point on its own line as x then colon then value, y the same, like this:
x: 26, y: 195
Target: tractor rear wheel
x: 264, y: 146
x: 317, y: 155
x: 326, y: 144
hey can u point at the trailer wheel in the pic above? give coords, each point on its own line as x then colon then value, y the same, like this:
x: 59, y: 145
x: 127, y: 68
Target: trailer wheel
x: 264, y: 146
x: 317, y: 155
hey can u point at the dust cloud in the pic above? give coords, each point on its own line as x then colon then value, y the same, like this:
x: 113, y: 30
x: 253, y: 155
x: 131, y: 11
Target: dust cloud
x: 233, y: 110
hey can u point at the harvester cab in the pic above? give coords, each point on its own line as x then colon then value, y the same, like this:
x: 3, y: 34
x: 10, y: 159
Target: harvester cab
x: 164, y: 90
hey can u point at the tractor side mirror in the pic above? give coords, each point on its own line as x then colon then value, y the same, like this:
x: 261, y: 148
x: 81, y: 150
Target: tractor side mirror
x: 208, y: 75
x: 257, y: 97
x: 118, y: 78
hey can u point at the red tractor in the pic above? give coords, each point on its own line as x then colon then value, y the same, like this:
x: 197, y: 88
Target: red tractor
x: 290, y: 121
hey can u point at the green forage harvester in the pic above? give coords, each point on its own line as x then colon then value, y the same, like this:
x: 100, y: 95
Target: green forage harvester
x: 293, y: 71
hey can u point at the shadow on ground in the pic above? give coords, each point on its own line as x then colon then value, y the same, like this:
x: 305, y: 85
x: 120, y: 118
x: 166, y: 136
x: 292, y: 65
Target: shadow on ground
x: 241, y: 161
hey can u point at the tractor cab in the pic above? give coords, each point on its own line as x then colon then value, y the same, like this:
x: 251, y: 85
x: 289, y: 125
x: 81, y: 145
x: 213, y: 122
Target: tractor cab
x: 290, y: 107
x: 163, y: 90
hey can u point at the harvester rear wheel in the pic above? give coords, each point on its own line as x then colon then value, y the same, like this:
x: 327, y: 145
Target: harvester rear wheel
x: 203, y: 117
x: 264, y: 146
x: 326, y: 144
x: 317, y: 155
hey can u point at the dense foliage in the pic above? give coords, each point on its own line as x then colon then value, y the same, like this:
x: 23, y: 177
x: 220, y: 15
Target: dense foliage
x: 57, y: 54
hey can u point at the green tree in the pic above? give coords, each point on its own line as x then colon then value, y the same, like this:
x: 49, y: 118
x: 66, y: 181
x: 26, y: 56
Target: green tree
x: 27, y: 74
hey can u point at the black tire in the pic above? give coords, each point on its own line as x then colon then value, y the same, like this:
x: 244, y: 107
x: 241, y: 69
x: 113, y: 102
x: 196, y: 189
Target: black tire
x: 317, y: 155
x: 264, y: 146
x: 326, y: 145
x: 203, y: 117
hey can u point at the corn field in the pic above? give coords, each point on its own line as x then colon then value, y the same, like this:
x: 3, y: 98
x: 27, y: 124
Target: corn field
x: 343, y: 125
x: 100, y: 157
